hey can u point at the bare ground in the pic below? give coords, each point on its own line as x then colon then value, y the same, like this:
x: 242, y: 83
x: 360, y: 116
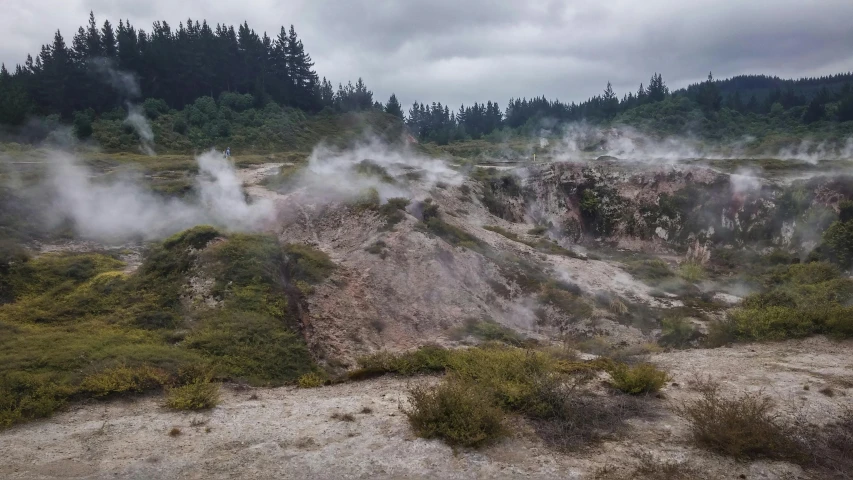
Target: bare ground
x: 290, y: 433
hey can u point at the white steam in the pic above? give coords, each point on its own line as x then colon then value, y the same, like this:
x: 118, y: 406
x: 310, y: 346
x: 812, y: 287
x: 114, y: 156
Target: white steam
x: 124, y: 82
x: 122, y: 209
x: 128, y: 86
x: 745, y: 181
x: 333, y: 175
x: 581, y: 142
x: 137, y: 121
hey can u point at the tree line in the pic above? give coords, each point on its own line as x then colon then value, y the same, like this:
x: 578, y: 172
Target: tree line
x: 106, y: 66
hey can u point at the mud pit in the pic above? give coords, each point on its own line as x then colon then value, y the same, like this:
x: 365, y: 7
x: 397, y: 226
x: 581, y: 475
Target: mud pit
x: 290, y: 433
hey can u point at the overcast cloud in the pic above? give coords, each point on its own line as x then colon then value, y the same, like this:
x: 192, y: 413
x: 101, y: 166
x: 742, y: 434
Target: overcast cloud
x: 457, y: 51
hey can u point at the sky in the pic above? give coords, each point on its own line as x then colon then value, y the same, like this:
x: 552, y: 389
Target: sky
x: 466, y: 51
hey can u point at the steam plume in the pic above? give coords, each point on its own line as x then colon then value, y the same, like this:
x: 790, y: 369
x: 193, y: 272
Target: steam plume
x: 122, y: 209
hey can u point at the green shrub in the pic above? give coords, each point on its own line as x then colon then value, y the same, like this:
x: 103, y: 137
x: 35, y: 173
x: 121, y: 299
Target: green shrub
x: 253, y: 347
x: 312, y: 380
x: 721, y: 333
x: 309, y: 264
x: 676, y: 332
x: 801, y: 300
x: 25, y: 396
x: 489, y: 331
x: 198, y: 395
x: 653, y: 270
x: 455, y: 411
x: 838, y: 243
x: 196, y: 237
x: 511, y: 374
x: 371, y: 169
x: 74, y: 315
x: 566, y: 300
x: 452, y: 234
x: 639, y: 379
x: 691, y: 271
x: 426, y: 359
x: 394, y: 211
x: 123, y: 379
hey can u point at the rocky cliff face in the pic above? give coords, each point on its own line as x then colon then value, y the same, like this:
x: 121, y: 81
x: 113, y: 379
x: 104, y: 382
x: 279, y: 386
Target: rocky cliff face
x: 682, y: 209
x: 506, y: 247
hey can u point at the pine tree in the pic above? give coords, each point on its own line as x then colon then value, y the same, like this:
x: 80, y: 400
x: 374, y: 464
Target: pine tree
x: 657, y: 90
x: 393, y: 107
x: 709, y: 95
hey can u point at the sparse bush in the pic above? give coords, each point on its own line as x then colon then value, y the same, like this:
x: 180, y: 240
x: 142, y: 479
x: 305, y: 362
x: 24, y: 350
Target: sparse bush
x: 371, y: 169
x: 691, y: 271
x: 677, y: 332
x: 344, y: 417
x: 312, y: 380
x: 308, y: 263
x: 426, y: 359
x: 455, y: 411
x: 537, y: 230
x: 452, y: 234
x: 196, y: 237
x: 429, y: 211
x: 742, y: 427
x: 123, y: 379
x: 653, y: 270
x: 639, y: 379
x: 567, y: 300
x: 394, y: 211
x: 489, y: 331
x: 721, y: 333
x: 568, y: 418
x: 198, y: 395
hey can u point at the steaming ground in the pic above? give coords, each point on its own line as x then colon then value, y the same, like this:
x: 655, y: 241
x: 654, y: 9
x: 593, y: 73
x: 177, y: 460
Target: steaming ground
x: 416, y: 289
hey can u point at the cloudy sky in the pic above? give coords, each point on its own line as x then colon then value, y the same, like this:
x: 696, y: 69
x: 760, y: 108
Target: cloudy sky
x: 457, y: 51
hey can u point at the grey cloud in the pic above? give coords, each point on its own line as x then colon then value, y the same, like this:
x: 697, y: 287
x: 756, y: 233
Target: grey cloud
x: 465, y: 51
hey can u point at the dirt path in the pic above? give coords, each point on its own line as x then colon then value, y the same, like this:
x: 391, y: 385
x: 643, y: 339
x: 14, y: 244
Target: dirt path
x: 290, y: 433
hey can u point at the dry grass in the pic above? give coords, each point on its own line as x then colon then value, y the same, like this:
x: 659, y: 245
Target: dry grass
x: 743, y: 427
x: 343, y: 417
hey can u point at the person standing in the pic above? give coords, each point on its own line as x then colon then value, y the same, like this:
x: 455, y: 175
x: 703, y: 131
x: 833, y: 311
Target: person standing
x: 228, y: 152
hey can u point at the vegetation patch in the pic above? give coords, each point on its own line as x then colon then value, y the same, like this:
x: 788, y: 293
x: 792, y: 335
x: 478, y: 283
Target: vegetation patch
x: 494, y: 380
x: 639, y: 379
x: 801, y: 300
x: 456, y: 413
x: 371, y: 169
x: 742, y: 427
x: 312, y: 379
x: 488, y: 330
x: 452, y: 234
x: 427, y: 359
x: 123, y: 379
x: 691, y: 271
x: 198, y: 395
x: 77, y: 327
x: 394, y: 211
